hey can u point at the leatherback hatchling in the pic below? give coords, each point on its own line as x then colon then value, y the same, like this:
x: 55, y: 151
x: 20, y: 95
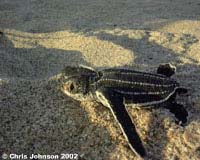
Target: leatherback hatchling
x: 118, y: 88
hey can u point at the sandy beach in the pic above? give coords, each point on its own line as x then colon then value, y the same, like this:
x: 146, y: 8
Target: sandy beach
x: 39, y: 38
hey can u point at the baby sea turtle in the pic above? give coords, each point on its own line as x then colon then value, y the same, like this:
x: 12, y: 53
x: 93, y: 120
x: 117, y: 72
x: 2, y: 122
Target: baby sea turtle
x: 118, y: 88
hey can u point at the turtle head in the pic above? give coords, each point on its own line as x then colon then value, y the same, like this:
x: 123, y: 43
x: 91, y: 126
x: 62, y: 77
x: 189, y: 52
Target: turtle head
x: 75, y: 81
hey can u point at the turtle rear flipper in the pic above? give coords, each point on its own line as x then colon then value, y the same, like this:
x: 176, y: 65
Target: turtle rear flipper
x: 114, y: 101
x: 179, y: 112
x: 166, y: 69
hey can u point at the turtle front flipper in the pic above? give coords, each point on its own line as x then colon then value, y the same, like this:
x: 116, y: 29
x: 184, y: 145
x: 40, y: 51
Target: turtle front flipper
x: 166, y: 69
x: 115, y: 102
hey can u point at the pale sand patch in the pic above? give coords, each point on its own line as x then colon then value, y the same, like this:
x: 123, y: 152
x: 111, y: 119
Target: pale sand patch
x: 183, y: 27
x: 96, y: 52
x: 189, y: 28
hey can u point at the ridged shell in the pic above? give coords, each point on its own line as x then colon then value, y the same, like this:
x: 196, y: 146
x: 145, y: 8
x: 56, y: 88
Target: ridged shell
x: 138, y: 87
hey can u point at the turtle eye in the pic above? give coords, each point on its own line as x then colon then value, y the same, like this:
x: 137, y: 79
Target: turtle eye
x: 71, y: 87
